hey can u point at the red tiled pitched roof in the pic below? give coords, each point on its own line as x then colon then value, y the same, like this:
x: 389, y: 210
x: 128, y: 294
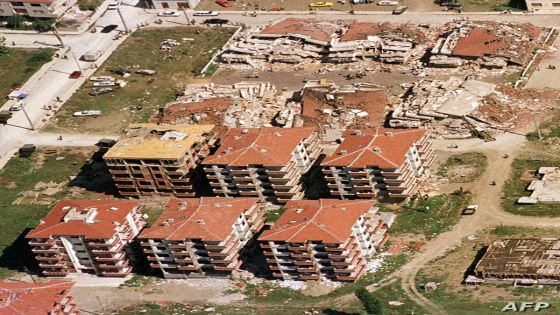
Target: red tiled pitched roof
x: 381, y: 147
x: 103, y: 226
x: 305, y: 27
x: 31, y: 298
x: 260, y: 146
x: 478, y: 43
x: 206, y: 218
x: 325, y: 220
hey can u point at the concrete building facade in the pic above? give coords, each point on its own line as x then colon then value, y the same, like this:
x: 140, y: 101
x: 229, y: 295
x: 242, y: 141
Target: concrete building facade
x: 378, y: 162
x: 87, y: 236
x: 267, y: 163
x: 35, y: 8
x: 51, y: 297
x: 326, y: 238
x: 542, y: 5
x: 172, y: 4
x: 198, y: 237
x: 159, y: 159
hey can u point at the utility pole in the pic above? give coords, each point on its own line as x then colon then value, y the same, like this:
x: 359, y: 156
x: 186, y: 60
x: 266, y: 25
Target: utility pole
x: 187, y: 17
x: 122, y: 19
x: 28, y: 119
x: 536, y: 125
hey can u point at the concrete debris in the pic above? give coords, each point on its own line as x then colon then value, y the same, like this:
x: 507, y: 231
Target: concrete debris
x: 546, y: 189
x: 243, y: 104
x: 290, y: 284
x: 167, y: 45
x: 430, y: 286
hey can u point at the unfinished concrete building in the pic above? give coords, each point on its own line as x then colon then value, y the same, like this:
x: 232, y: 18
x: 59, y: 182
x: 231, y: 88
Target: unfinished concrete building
x: 489, y: 44
x: 159, y: 159
x: 267, y: 163
x: 198, y: 237
x: 520, y: 261
x: 331, y: 107
x: 546, y: 189
x: 87, y: 236
x: 378, y: 162
x: 51, y: 297
x: 325, y: 239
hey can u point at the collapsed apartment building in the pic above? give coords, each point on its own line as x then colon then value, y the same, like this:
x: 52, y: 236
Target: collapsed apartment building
x: 525, y: 261
x: 159, y: 159
x: 489, y: 44
x: 378, y: 162
x: 87, y: 236
x: 294, y: 40
x: 449, y: 103
x: 326, y: 238
x: 267, y: 163
x: 198, y: 237
x: 240, y: 105
x: 51, y: 297
x: 546, y: 189
x: 336, y: 108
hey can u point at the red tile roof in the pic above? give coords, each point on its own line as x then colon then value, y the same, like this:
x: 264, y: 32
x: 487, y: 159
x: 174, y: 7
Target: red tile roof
x: 28, y: 1
x: 317, y: 30
x: 206, y: 218
x: 380, y: 147
x: 108, y: 212
x: 478, y: 43
x: 271, y: 147
x: 325, y: 220
x: 371, y: 101
x: 31, y: 298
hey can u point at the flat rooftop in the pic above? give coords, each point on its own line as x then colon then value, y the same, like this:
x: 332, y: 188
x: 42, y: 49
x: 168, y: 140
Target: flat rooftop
x: 164, y: 141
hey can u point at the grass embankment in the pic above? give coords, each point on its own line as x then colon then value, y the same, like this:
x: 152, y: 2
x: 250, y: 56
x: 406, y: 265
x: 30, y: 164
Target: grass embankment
x: 175, y: 69
x: 18, y: 65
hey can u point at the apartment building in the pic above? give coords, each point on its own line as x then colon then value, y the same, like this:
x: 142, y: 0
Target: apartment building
x: 51, y: 297
x: 326, y: 238
x: 542, y: 5
x: 267, y: 163
x: 172, y: 4
x: 378, y: 162
x: 87, y: 236
x: 159, y: 159
x: 201, y: 236
x: 35, y: 8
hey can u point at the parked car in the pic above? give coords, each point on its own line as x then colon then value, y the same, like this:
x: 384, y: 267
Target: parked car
x: 87, y: 113
x: 470, y: 210
x: 224, y: 3
x: 387, y: 3
x: 26, y: 150
x: 122, y: 72
x: 169, y: 13
x: 104, y: 83
x: 321, y: 4
x: 100, y: 91
x: 205, y: 13
x: 75, y: 74
x: 216, y: 21
x: 5, y: 115
x: 400, y: 9
x: 113, y: 5
x: 91, y: 55
x: 146, y: 72
x: 109, y: 28
x: 102, y: 78
x: 17, y: 106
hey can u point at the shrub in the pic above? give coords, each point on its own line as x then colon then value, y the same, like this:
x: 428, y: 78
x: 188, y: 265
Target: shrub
x: 371, y: 303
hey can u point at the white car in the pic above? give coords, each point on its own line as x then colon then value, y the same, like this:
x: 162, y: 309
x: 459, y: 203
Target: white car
x: 87, y: 113
x: 113, y: 5
x: 169, y: 13
x: 104, y: 83
x: 206, y: 13
x: 102, y: 78
x: 388, y: 3
x: 17, y: 106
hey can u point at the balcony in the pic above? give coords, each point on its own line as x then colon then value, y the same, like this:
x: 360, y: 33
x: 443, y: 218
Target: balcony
x: 44, y: 251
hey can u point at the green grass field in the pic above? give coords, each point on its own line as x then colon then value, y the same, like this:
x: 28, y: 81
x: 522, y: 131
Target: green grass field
x: 21, y: 175
x: 175, y: 69
x: 464, y: 167
x: 18, y: 65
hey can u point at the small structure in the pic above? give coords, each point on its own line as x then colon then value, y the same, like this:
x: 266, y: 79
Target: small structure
x: 546, y: 189
x: 542, y: 5
x: 267, y: 163
x: 198, y: 237
x: 86, y: 236
x: 50, y: 297
x: 159, y: 159
x: 382, y: 161
x: 524, y: 261
x: 325, y: 239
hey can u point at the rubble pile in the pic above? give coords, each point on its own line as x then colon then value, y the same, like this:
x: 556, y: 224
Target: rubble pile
x: 328, y: 106
x: 243, y: 104
x: 167, y: 45
x: 488, y: 44
x: 293, y: 41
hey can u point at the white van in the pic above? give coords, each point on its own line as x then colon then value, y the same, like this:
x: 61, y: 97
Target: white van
x: 91, y: 55
x: 388, y: 3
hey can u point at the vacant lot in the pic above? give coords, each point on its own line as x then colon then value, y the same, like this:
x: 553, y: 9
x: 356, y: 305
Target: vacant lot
x: 431, y: 216
x: 175, y: 69
x: 28, y: 187
x: 463, y: 168
x: 18, y: 65
x: 456, y: 298
x: 493, y: 5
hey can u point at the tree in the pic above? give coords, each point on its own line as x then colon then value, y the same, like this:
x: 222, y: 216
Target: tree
x: 43, y: 25
x: 371, y: 303
x: 15, y: 21
x: 3, y: 48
